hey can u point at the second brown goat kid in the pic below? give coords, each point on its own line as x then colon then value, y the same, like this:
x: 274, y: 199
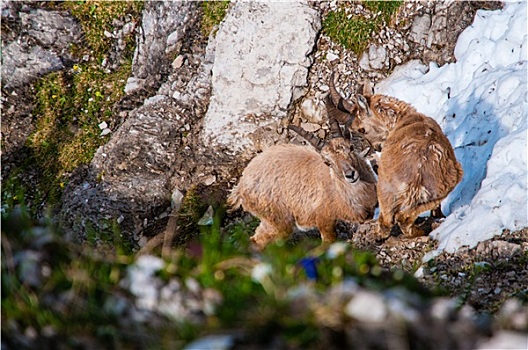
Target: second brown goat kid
x: 417, y: 168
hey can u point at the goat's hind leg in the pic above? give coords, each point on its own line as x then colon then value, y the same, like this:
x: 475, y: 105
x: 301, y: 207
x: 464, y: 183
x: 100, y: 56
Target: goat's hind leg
x: 407, y: 218
x: 436, y: 213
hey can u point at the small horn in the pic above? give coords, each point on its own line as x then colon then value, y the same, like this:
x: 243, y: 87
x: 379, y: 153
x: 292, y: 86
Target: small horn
x: 312, y: 139
x: 339, y: 102
x: 367, y: 88
x: 335, y: 113
x: 335, y: 129
x: 333, y: 116
x: 363, y: 105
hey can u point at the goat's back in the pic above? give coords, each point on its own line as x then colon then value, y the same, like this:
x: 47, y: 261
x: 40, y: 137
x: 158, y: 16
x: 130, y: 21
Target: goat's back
x: 418, y: 159
x: 280, y: 174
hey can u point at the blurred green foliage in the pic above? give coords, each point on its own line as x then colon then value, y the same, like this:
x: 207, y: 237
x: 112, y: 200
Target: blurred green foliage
x: 62, y: 292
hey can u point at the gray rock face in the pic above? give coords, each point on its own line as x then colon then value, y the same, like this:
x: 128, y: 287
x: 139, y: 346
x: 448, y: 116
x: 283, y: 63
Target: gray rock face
x: 420, y: 29
x: 128, y: 181
x: 129, y: 175
x: 42, y: 46
x: 261, y: 64
x: 159, y: 35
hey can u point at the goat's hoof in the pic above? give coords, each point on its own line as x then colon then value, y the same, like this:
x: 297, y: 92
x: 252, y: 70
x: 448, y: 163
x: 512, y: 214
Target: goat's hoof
x: 382, y: 233
x: 414, y: 232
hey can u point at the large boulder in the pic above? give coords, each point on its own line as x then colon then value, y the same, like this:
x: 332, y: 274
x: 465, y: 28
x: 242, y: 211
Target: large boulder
x: 128, y: 180
x: 164, y: 25
x: 261, y: 66
x: 40, y: 45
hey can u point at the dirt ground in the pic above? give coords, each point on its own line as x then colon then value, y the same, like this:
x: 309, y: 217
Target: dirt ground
x: 483, y: 276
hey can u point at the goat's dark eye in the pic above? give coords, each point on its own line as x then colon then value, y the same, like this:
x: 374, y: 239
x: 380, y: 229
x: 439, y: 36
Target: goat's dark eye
x: 361, y: 130
x: 351, y: 176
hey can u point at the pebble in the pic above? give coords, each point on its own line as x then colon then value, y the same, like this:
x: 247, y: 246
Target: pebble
x: 212, y: 342
x: 330, y: 57
x: 367, y: 307
x: 178, y: 62
x: 310, y: 127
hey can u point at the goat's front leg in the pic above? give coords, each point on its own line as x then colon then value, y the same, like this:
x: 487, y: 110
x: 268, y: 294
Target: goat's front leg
x: 384, y: 227
x: 268, y: 232
x: 327, y: 230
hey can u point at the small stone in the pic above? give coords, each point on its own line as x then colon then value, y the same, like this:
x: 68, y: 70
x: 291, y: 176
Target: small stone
x: 132, y: 85
x: 207, y: 218
x: 102, y: 125
x: 330, y: 56
x: 419, y: 273
x: 310, y: 127
x: 377, y: 56
x: 176, y: 95
x: 420, y: 29
x: 128, y: 28
x: 178, y: 62
x: 176, y: 199
x: 367, y: 307
x: 209, y: 180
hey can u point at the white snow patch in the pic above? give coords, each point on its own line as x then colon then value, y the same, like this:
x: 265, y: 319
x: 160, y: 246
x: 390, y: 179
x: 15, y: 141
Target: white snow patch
x: 481, y: 104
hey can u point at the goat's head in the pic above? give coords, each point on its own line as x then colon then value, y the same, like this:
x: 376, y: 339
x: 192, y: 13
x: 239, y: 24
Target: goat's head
x: 357, y: 112
x: 338, y: 152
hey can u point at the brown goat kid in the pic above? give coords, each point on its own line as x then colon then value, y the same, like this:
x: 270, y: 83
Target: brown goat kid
x: 417, y: 168
x: 290, y: 186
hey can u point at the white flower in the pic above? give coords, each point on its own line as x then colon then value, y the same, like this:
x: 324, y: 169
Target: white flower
x: 260, y: 271
x: 336, y: 249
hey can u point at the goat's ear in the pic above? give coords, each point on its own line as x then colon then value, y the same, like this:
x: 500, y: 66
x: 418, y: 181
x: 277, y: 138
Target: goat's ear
x: 363, y: 105
x: 327, y: 159
x: 365, y: 152
x: 327, y: 162
x: 367, y: 88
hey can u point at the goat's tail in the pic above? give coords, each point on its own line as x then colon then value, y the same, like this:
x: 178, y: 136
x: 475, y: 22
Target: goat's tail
x: 234, y: 200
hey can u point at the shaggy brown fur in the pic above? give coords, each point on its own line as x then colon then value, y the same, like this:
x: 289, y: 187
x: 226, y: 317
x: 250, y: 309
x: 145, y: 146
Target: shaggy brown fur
x: 418, y: 167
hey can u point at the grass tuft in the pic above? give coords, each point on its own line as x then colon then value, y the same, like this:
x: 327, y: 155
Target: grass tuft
x: 387, y: 8
x: 353, y: 32
x: 213, y: 13
x: 72, y: 103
